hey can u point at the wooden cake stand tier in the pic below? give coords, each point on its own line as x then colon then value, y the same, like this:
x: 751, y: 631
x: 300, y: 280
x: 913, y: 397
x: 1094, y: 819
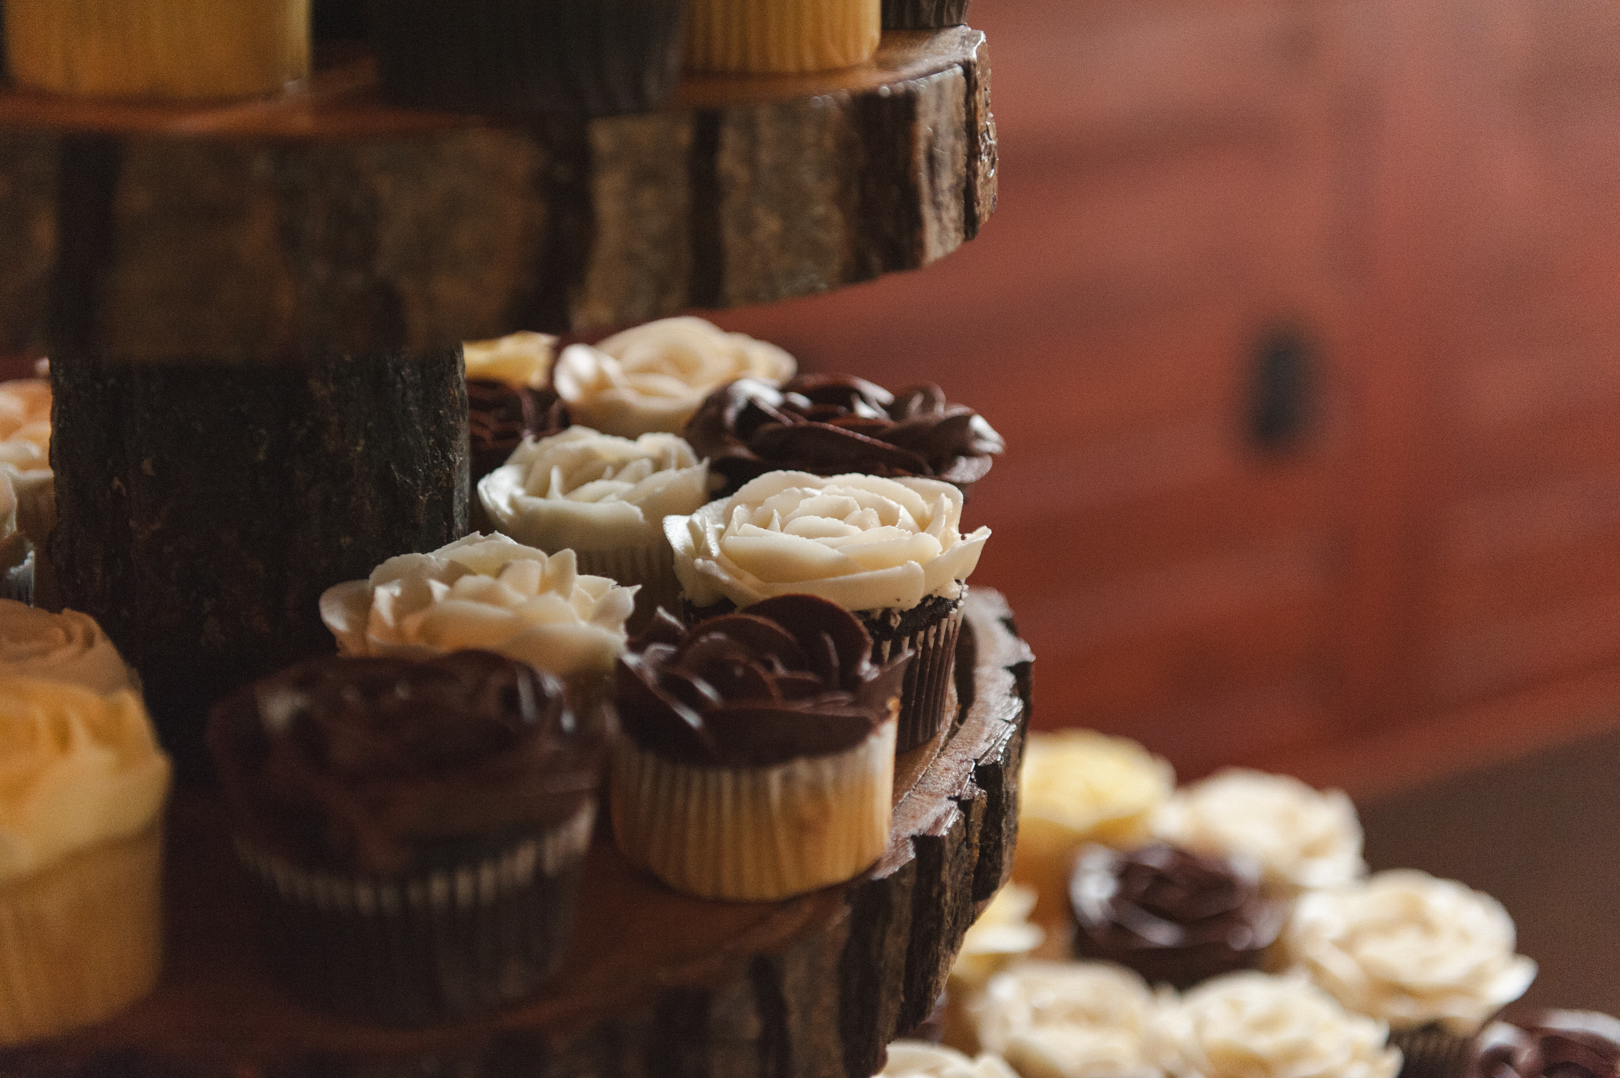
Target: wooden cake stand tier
x: 326, y: 221
x: 656, y: 985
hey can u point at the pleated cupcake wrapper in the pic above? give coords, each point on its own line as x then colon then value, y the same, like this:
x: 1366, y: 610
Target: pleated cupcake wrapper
x: 781, y: 36
x: 180, y: 49
x: 438, y: 945
x: 651, y: 566
x: 924, y: 15
x: 518, y: 56
x: 1432, y: 1051
x: 926, y: 692
x: 81, y: 940
x: 754, y: 834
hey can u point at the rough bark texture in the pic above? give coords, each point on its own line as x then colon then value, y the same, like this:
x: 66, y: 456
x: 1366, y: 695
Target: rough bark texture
x: 325, y: 219
x: 657, y: 985
x: 202, y: 510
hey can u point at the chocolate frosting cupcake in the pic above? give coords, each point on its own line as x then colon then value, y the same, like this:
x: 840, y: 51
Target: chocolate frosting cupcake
x: 831, y: 424
x: 500, y: 415
x: 790, y: 677
x: 382, y: 767
x: 1174, y: 917
x: 1549, y: 1044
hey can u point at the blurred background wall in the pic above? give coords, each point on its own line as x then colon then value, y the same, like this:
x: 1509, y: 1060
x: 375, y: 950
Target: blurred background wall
x: 1300, y: 319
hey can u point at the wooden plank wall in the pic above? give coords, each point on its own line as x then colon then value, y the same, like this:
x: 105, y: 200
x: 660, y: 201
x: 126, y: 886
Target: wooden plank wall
x: 1421, y: 199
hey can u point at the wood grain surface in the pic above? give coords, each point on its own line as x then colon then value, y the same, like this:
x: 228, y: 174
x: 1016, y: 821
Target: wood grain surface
x: 656, y: 984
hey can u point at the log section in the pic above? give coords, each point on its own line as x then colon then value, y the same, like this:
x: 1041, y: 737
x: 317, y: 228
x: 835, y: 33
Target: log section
x: 656, y: 984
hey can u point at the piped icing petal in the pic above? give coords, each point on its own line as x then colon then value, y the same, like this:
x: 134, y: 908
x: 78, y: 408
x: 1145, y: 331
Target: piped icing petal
x: 919, y: 1059
x: 653, y: 377
x: 1034, y: 998
x: 76, y: 768
x: 68, y: 647
x: 520, y: 360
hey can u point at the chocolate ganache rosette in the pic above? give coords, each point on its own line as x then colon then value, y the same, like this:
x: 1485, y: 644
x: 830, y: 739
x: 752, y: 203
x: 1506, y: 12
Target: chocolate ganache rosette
x: 830, y: 424
x: 1549, y: 1044
x: 759, y: 750
x: 415, y: 828
x: 1174, y: 917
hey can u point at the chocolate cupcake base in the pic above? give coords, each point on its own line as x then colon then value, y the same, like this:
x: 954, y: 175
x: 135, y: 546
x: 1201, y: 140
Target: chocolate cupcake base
x: 1432, y: 1051
x: 429, y: 947
x: 929, y: 630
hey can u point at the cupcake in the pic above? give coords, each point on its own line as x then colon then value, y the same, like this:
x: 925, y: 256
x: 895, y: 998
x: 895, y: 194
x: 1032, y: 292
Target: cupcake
x: 507, y: 398
x: 414, y: 830
x: 1302, y: 837
x: 522, y: 56
x: 919, y: 1059
x: 80, y: 845
x: 1430, y: 957
x: 1076, y: 787
x: 1054, y: 1019
x: 68, y: 647
x: 830, y: 424
x: 1172, y: 916
x: 781, y: 36
x: 887, y: 550
x: 1544, y: 1044
x: 170, y: 49
x: 1250, y: 1025
x: 606, y: 499
x: 491, y: 593
x: 653, y: 377
x: 25, y: 454
x: 757, y: 760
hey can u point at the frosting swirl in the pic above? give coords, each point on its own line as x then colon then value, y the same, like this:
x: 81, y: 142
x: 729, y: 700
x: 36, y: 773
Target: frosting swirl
x: 1172, y: 916
x: 1032, y: 998
x: 485, y: 592
x: 835, y: 423
x: 1549, y: 1044
x: 520, y: 360
x: 376, y: 766
x: 500, y: 417
x: 76, y: 768
x: 68, y: 647
x: 1302, y: 837
x: 592, y: 491
x: 790, y: 677
x: 1079, y: 785
x: 653, y: 377
x: 861, y: 541
x: 1410, y: 949
x: 1250, y: 1025
x: 919, y: 1059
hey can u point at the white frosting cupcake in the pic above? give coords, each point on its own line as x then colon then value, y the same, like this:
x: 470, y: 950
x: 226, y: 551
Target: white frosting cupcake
x: 1410, y: 949
x: 521, y: 360
x: 919, y: 1059
x: 653, y: 377
x: 1302, y: 837
x: 68, y: 647
x: 1251, y: 1025
x: 1087, y: 1019
x: 484, y: 592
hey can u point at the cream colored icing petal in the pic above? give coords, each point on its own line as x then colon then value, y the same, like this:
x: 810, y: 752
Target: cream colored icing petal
x: 68, y: 647
x: 346, y: 610
x: 919, y: 1059
x: 521, y: 360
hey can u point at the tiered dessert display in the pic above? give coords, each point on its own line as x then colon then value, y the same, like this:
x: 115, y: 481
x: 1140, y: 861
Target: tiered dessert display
x: 254, y: 312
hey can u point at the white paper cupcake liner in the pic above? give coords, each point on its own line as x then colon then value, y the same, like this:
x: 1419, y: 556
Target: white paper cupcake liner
x: 755, y: 834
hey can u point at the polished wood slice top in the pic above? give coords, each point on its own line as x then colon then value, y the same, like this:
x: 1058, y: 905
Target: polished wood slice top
x: 655, y: 982
x: 325, y: 220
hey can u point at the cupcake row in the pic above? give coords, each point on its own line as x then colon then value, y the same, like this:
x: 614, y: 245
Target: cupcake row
x: 505, y: 56
x: 1245, y: 900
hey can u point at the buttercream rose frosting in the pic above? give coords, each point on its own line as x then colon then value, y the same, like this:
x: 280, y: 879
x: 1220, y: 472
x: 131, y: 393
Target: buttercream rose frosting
x: 68, y: 647
x: 653, y: 377
x: 1050, y: 1018
x: 1302, y: 837
x: 1410, y: 949
x: 520, y: 360
x: 835, y: 423
x: 1549, y: 1044
x: 864, y: 542
x: 486, y: 592
x: 1251, y: 1025
x: 25, y: 453
x: 371, y: 766
x: 76, y: 769
x: 919, y: 1059
x: 1174, y: 917
x: 592, y: 491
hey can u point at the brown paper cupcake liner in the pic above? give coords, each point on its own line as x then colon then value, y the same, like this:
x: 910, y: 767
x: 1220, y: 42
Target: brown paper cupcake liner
x: 441, y: 944
x: 651, y: 566
x: 923, y: 15
x: 926, y: 691
x: 1432, y: 1051
x: 754, y: 834
x: 517, y: 56
x: 81, y: 940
